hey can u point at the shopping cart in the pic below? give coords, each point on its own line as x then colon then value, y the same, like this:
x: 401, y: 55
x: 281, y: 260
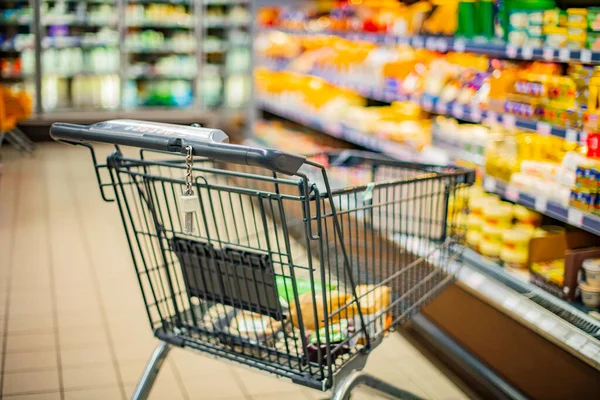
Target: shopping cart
x: 292, y: 265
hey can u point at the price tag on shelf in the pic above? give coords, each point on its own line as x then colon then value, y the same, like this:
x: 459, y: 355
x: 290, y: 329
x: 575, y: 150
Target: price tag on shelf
x: 459, y: 45
x: 333, y: 128
x: 590, y: 350
x: 442, y: 45
x: 489, y: 184
x: 583, y: 138
x: 533, y: 315
x: 474, y: 280
x: 547, y: 324
x: 511, y: 51
x: 564, y: 55
x: 543, y: 128
x: 575, y: 217
x: 571, y: 135
x: 527, y: 52
x: 509, y: 121
x: 541, y: 204
x: 475, y: 114
x: 441, y: 106
x: 431, y: 44
x: 576, y: 341
x: 418, y: 42
x: 427, y: 104
x: 512, y: 193
x: 491, y: 119
x: 586, y: 56
x: 548, y: 53
x: 511, y: 303
x: 458, y: 110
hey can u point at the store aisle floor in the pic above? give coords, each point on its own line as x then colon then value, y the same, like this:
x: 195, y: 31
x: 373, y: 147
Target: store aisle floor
x: 72, y: 320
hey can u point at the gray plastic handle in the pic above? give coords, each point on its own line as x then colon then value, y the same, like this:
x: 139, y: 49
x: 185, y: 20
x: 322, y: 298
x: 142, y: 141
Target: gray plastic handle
x: 205, y: 142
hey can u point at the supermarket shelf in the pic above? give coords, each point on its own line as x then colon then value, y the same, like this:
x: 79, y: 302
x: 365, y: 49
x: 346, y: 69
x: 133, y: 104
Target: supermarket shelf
x: 460, y: 111
x: 161, y: 76
x: 73, y: 41
x: 176, y: 2
x: 344, y: 132
x: 20, y: 22
x: 81, y: 23
x: 225, y: 23
x: 159, y: 50
x: 160, y: 25
x: 550, y: 317
x: 225, y: 2
x: 445, y: 44
x: 76, y: 74
x: 570, y: 215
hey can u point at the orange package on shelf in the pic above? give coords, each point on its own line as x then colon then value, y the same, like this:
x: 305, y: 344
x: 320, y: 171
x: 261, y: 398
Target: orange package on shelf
x: 14, y: 107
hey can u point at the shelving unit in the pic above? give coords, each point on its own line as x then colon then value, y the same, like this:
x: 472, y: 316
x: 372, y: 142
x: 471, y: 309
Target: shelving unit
x: 562, y: 323
x: 77, y: 41
x: 433, y: 105
x: 16, y: 44
x: 491, y: 48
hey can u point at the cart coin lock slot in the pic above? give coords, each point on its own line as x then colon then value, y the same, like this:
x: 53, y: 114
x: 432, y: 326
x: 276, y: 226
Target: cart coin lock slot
x: 241, y: 279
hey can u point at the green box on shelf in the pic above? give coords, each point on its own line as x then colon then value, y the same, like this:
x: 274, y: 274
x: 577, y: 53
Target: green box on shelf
x: 594, y: 19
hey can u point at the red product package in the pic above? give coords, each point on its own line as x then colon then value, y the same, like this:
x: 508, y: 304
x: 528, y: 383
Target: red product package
x: 593, y: 143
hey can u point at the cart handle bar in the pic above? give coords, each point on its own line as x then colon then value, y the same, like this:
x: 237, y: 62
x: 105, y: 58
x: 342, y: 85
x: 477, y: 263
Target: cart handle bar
x: 205, y: 142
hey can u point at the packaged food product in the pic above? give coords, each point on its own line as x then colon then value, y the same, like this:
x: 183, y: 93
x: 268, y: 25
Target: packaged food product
x: 593, y: 41
x: 253, y: 326
x: 590, y: 295
x: 316, y: 350
x: 498, y: 214
x: 525, y: 216
x: 478, y: 204
x: 592, y: 272
x: 306, y: 308
x: 285, y: 288
x: 594, y: 19
x: 552, y: 271
x: 577, y: 17
x: 556, y: 37
x: 474, y: 223
x: 490, y: 250
x: 492, y: 233
x: 514, y: 258
x: 587, y: 177
x: 517, y: 238
x: 584, y: 199
x: 576, y: 44
x: 473, y: 238
x: 555, y: 17
x: 374, y: 300
x: 577, y: 34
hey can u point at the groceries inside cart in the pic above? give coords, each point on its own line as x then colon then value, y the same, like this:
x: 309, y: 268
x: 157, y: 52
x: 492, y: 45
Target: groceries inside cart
x: 295, y: 265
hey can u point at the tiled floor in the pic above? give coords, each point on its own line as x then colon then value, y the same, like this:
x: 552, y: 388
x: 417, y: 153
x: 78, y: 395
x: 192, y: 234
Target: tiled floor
x: 72, y: 321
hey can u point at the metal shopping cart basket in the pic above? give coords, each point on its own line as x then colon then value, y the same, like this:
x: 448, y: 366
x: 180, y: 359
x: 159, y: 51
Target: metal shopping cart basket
x: 292, y: 265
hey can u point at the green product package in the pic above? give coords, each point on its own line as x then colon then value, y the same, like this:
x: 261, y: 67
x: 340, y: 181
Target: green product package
x: 337, y: 333
x: 485, y: 11
x: 594, y: 19
x: 466, y: 18
x: 285, y: 287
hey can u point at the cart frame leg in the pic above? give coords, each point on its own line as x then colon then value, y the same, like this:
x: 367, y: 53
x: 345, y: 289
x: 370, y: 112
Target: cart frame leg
x: 18, y: 139
x: 376, y: 385
x: 144, y: 386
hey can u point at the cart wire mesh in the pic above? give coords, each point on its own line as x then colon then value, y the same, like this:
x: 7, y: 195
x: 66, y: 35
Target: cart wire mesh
x: 294, y: 275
